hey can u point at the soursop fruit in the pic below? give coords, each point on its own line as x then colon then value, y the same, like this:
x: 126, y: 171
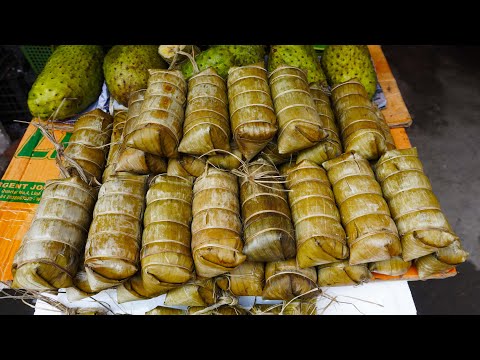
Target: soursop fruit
x: 72, y: 75
x: 301, y: 56
x: 345, y: 62
x: 223, y: 57
x: 126, y: 69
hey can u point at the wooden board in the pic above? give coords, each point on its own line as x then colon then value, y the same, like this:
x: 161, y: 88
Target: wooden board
x: 396, y: 113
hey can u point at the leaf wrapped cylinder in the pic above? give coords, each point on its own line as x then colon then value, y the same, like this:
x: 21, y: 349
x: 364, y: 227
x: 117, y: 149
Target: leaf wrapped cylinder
x: 119, y: 121
x: 360, y: 127
x: 342, y: 274
x: 114, y: 240
x: 88, y: 145
x: 134, y: 160
x: 198, y: 292
x: 371, y: 233
x: 216, y: 227
x: 267, y: 223
x: 422, y: 226
x: 331, y: 147
x: 158, y: 128
x: 245, y: 280
x: 319, y: 233
x: 207, y: 124
x: 252, y: 117
x: 441, y: 261
x: 285, y: 280
x: 300, y: 125
x: 49, y: 255
x: 395, y: 266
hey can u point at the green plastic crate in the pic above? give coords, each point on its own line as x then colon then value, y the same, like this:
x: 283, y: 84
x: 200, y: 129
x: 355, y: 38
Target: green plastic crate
x: 37, y: 55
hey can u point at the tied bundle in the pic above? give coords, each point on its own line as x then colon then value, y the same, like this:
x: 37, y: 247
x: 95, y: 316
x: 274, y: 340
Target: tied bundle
x: 331, y: 147
x: 342, y: 274
x: 131, y: 159
x: 158, y: 128
x: 267, y: 224
x: 88, y: 146
x: 362, y: 130
x: 245, y: 280
x: 320, y: 236
x: 216, y: 227
x: 285, y: 280
x: 113, y: 245
x: 206, y: 126
x: 186, y: 166
x: 423, y: 228
x: 252, y: 116
x: 371, y: 233
x: 300, y: 125
x: 119, y: 121
x: 51, y: 249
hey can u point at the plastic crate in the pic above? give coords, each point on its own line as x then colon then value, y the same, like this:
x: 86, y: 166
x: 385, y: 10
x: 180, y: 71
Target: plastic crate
x: 37, y: 55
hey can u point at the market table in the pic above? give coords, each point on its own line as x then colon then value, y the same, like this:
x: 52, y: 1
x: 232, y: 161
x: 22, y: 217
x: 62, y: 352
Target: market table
x: 34, y: 163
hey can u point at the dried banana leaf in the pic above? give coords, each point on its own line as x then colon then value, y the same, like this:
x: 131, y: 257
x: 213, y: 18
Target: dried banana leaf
x: 198, y: 292
x: 88, y: 145
x: 442, y: 261
x: 227, y: 161
x: 422, y: 226
x: 81, y: 287
x: 186, y: 166
x: 267, y: 223
x: 395, y: 266
x: 245, y: 280
x: 163, y: 310
x: 285, y: 280
x: 342, y: 274
x: 385, y: 128
x: 371, y: 233
x: 296, y: 307
x: 134, y: 160
x: 266, y: 309
x: 113, y: 245
x: 158, y: 128
x: 132, y: 290
x: 300, y: 125
x: 361, y: 129
x: 119, y: 121
x: 252, y: 116
x: 271, y: 154
x: 328, y: 148
x: 207, y: 124
x: 216, y: 227
x: 166, y: 258
x: 319, y: 234
x: 50, y: 252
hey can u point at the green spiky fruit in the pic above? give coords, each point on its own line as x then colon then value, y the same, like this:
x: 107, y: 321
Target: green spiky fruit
x: 223, y: 57
x: 72, y: 77
x: 126, y: 69
x: 345, y: 62
x: 301, y: 56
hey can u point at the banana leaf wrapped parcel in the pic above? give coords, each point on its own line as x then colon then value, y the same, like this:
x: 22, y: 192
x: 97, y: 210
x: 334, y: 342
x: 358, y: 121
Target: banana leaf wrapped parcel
x: 186, y: 166
x: 267, y: 222
x: 394, y: 267
x: 319, y: 233
x: 285, y: 280
x: 113, y: 246
x: 300, y: 125
x: 50, y: 252
x: 158, y: 128
x: 131, y: 159
x: 207, y: 124
x: 227, y: 160
x: 360, y: 127
x: 371, y: 232
x: 88, y: 145
x: 216, y: 227
x: 330, y: 147
x: 295, y: 307
x: 245, y: 280
x: 163, y: 310
x: 441, y: 261
x: 197, y: 292
x: 422, y: 226
x: 342, y: 274
x: 252, y: 117
x: 119, y: 121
